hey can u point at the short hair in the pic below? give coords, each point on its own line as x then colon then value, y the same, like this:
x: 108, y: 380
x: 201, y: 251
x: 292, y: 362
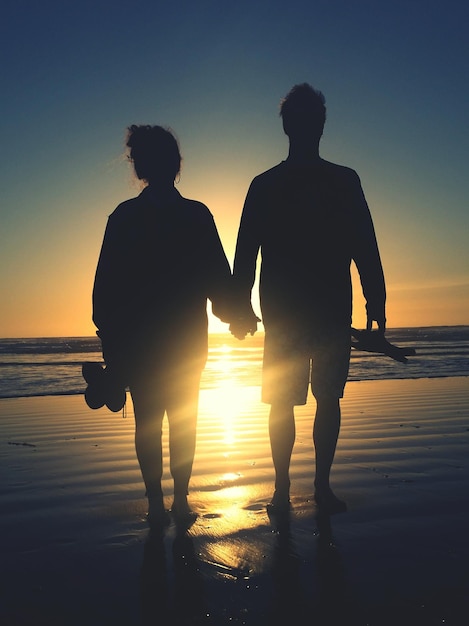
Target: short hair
x: 303, y: 107
x: 154, y: 151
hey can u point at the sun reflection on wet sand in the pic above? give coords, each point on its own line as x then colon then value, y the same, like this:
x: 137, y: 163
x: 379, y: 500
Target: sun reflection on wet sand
x: 75, y: 505
x: 232, y: 451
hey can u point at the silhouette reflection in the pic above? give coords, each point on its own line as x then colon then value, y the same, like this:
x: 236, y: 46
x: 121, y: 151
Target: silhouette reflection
x: 154, y: 587
x: 331, y: 578
x: 297, y: 577
x: 289, y: 600
x: 171, y: 595
x: 336, y: 604
x: 309, y: 589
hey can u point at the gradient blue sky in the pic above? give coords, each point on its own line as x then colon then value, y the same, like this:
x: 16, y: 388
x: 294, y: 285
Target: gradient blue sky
x: 76, y: 74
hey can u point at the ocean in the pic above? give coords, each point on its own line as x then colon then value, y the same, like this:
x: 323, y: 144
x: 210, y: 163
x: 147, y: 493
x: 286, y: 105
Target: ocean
x: 52, y: 366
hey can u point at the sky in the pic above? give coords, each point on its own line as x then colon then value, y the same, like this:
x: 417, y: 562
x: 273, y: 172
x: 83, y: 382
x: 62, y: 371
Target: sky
x: 75, y: 75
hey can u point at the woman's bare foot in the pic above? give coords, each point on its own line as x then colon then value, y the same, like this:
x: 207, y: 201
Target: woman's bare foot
x: 182, y: 512
x: 157, y: 515
x: 280, y: 502
x: 328, y: 502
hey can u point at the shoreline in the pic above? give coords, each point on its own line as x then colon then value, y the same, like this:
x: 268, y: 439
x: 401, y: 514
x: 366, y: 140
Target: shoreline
x: 76, y: 546
x: 209, y: 387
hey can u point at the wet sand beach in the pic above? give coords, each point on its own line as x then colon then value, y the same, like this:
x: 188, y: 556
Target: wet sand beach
x: 76, y: 548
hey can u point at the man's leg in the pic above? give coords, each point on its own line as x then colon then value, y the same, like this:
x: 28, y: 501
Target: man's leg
x: 282, y: 439
x: 285, y: 382
x: 325, y: 435
x: 331, y: 360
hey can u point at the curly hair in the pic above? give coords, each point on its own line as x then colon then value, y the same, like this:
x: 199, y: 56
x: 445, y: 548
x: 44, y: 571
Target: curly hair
x: 154, y: 151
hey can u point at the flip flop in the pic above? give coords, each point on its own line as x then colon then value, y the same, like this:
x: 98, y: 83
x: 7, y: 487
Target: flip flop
x: 93, y: 373
x: 374, y: 341
x: 103, y: 388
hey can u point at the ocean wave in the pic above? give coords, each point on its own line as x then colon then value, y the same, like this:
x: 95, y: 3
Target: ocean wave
x: 52, y: 366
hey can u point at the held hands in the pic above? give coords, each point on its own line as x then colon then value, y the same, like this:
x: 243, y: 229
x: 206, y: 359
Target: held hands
x: 241, y: 326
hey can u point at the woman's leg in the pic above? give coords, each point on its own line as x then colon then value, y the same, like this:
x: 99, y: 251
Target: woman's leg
x: 148, y: 430
x: 182, y: 419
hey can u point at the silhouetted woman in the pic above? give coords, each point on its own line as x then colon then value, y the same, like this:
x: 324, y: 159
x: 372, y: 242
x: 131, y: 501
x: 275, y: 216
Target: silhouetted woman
x: 160, y: 260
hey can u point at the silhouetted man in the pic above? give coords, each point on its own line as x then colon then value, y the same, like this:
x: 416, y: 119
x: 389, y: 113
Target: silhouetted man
x: 309, y: 218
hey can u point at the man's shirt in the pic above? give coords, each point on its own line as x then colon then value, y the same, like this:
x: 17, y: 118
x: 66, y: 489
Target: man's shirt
x: 309, y: 223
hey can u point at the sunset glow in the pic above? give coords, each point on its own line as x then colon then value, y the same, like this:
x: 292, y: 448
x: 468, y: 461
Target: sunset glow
x: 396, y: 113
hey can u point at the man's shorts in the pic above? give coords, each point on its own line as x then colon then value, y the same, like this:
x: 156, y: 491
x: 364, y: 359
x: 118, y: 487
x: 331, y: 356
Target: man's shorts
x: 293, y: 360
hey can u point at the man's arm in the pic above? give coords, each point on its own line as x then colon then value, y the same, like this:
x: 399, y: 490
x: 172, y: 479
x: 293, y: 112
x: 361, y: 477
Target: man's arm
x: 244, y: 268
x: 366, y: 256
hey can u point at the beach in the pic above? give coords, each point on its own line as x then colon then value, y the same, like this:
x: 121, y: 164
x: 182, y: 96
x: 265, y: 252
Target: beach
x: 76, y: 548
